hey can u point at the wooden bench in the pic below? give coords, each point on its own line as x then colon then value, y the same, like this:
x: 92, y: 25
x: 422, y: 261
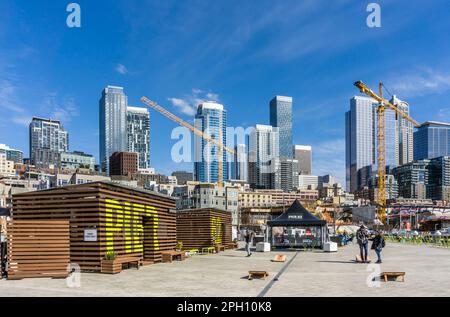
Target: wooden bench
x: 124, y: 259
x: 257, y: 274
x: 230, y: 246
x: 169, y: 256
x: 208, y: 250
x: 219, y: 248
x: 396, y: 275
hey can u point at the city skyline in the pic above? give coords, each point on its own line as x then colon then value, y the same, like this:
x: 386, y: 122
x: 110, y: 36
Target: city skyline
x: 297, y: 65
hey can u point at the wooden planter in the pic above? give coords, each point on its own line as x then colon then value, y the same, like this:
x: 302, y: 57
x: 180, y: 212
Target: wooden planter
x: 111, y: 266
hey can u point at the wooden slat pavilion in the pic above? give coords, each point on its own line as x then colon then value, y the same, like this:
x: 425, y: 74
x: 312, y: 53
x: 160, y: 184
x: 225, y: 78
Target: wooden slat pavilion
x: 38, y: 248
x: 127, y: 221
x: 200, y: 228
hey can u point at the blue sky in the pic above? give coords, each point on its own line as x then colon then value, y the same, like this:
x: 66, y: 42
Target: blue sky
x: 239, y: 52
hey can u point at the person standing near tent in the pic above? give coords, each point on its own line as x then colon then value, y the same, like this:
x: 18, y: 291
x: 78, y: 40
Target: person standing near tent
x: 248, y: 240
x: 362, y: 236
x: 378, y: 244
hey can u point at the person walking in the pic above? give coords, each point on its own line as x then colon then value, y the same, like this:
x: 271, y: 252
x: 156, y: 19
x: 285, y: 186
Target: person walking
x: 248, y: 240
x: 378, y: 244
x: 362, y: 236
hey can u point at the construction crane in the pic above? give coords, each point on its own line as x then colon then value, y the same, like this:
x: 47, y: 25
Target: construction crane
x: 203, y: 135
x: 381, y: 140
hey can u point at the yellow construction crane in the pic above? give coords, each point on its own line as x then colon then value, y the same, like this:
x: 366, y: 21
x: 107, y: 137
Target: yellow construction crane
x: 203, y: 135
x: 381, y: 146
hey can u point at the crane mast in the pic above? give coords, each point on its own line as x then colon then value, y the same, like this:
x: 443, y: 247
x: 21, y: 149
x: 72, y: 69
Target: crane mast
x: 381, y: 141
x: 381, y: 157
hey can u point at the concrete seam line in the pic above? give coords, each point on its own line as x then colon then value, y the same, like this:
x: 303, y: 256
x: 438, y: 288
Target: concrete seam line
x: 276, y: 277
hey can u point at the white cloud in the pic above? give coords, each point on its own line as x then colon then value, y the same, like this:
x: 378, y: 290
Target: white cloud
x: 188, y: 104
x: 420, y: 83
x: 197, y: 91
x: 7, y: 96
x: 183, y: 106
x: 329, y: 158
x: 63, y: 110
x: 212, y: 96
x: 121, y: 69
x: 22, y: 120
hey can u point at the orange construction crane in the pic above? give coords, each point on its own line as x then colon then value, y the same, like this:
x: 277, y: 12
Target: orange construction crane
x: 381, y: 140
x: 203, y: 135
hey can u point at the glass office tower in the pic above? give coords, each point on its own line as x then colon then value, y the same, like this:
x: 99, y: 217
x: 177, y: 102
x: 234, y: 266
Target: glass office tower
x: 113, y: 128
x: 432, y: 140
x: 361, y: 141
x: 264, y: 172
x: 210, y: 118
x: 281, y: 117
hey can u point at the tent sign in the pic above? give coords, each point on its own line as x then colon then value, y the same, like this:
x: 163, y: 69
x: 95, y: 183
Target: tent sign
x: 295, y: 216
x: 90, y: 235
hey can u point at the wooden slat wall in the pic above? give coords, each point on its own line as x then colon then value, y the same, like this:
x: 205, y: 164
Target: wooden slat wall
x: 200, y: 228
x: 126, y: 220
x: 38, y: 248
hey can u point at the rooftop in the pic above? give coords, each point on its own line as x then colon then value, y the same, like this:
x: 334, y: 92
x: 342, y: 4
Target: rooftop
x: 435, y: 123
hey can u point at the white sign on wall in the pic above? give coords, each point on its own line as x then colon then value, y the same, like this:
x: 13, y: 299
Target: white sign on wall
x: 90, y: 235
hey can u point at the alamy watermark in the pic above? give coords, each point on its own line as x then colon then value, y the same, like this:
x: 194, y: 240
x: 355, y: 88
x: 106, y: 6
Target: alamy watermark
x: 374, y: 18
x: 74, y: 278
x: 74, y: 18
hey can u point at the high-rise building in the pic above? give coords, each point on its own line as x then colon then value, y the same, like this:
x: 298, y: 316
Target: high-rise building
x: 123, y: 164
x: 288, y: 174
x: 391, y: 187
x: 361, y: 140
x: 239, y: 166
x: 11, y: 154
x: 412, y: 179
x: 303, y: 154
x: 47, y: 139
x: 432, y: 140
x: 439, y: 178
x: 113, y: 128
x: 183, y: 177
x: 263, y: 154
x: 211, y: 118
x: 405, y: 145
x: 281, y: 118
x: 138, y: 132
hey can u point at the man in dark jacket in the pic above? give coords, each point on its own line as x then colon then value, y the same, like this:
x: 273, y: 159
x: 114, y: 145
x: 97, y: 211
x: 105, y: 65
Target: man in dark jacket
x: 378, y: 244
x: 248, y: 241
x: 362, y: 236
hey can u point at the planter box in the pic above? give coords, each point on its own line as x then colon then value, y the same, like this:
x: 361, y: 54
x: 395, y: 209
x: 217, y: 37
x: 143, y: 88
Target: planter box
x: 263, y: 247
x: 111, y: 266
x: 330, y: 247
